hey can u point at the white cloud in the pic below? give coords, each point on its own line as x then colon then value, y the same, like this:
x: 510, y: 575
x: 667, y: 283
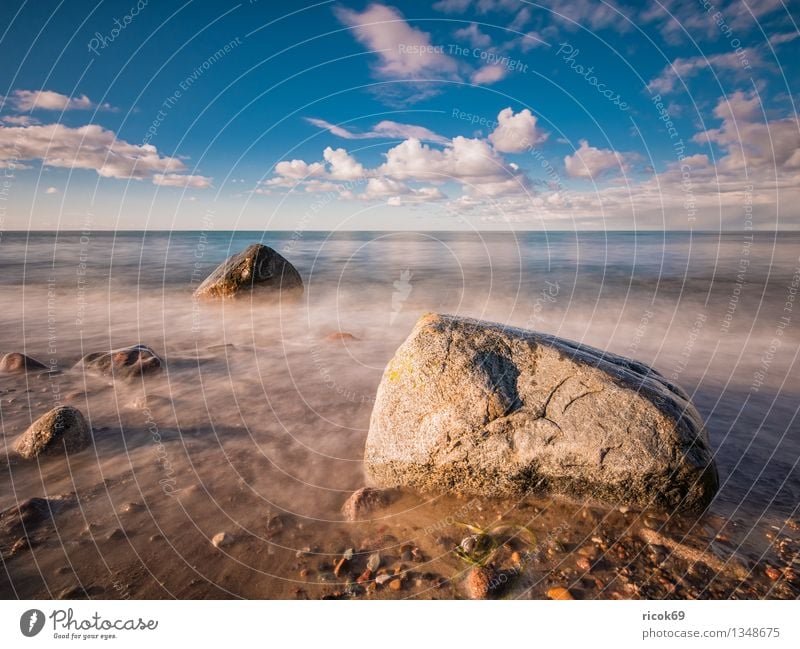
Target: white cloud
x: 779, y: 39
x: 750, y: 145
x: 489, y: 74
x: 28, y: 100
x: 85, y: 147
x: 684, y: 69
x: 181, y: 180
x: 19, y: 120
x: 299, y: 169
x: 51, y: 190
x: 384, y: 129
x: 404, y: 51
x: 473, y: 35
x: 516, y: 133
x: 341, y: 165
x: 590, y: 162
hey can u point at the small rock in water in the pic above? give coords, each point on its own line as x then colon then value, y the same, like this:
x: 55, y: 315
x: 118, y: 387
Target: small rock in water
x: 584, y: 564
x: 382, y: 579
x: 221, y: 540
x: 363, y: 501
x: 125, y: 363
x: 61, y: 430
x: 339, y: 336
x: 559, y: 592
x: 773, y: 573
x: 14, y: 362
x: 396, y: 584
x: 374, y: 561
x: 364, y: 576
x: 131, y: 508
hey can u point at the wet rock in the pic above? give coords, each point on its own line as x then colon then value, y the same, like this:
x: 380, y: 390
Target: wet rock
x: 131, y: 508
x: 338, y: 336
x: 123, y: 363
x: 256, y: 268
x: 480, y: 408
x: 221, y: 540
x: 61, y: 430
x: 116, y: 535
x: 584, y: 564
x: 773, y: 573
x: 363, y: 502
x: 382, y: 579
x: 559, y: 592
x: 16, y: 363
x: 479, y: 582
x: 374, y: 562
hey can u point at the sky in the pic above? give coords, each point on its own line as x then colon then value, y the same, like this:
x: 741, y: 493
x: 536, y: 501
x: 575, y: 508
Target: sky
x: 443, y: 115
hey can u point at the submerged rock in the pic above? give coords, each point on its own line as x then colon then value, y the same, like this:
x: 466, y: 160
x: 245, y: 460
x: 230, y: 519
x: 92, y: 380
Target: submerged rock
x: 256, y: 267
x: 14, y: 362
x: 364, y: 501
x: 60, y: 430
x: 125, y: 363
x: 479, y: 408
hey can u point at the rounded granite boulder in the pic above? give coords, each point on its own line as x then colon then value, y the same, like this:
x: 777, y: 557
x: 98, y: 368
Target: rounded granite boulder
x: 479, y: 408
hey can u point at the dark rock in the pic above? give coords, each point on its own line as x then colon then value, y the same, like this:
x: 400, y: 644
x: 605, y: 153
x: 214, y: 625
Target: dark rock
x: 479, y: 408
x: 14, y: 362
x: 257, y: 267
x: 60, y: 430
x: 125, y: 363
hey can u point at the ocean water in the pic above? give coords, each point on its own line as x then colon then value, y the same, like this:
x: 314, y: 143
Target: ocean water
x: 255, y: 400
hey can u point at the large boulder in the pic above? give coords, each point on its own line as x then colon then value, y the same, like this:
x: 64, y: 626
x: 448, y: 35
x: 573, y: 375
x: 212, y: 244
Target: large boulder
x: 256, y: 267
x: 125, y: 363
x: 61, y: 430
x: 479, y: 408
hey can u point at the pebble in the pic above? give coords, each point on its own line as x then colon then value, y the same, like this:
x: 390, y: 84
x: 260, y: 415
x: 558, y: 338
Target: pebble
x: 479, y: 582
x: 382, y: 579
x: 115, y: 535
x: 559, y: 592
x: 773, y: 573
x: 516, y: 559
x: 305, y: 572
x: 221, y: 540
x: 396, y: 584
x: 374, y: 561
x: 588, y: 551
x: 340, y: 566
x: 584, y: 564
x: 364, y: 576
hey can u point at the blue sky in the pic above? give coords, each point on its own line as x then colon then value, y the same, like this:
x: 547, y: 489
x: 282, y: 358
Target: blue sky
x: 457, y: 114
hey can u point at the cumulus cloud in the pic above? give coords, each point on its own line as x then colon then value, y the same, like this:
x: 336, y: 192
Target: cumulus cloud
x: 750, y: 144
x: 29, y: 100
x: 85, y: 147
x: 516, y: 133
x: 681, y: 70
x: 181, y: 180
x: 590, y: 162
x: 476, y: 164
x: 383, y: 129
x: 341, y: 165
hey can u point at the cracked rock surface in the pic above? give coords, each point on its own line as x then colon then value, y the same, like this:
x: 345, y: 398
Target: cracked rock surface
x: 479, y: 408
